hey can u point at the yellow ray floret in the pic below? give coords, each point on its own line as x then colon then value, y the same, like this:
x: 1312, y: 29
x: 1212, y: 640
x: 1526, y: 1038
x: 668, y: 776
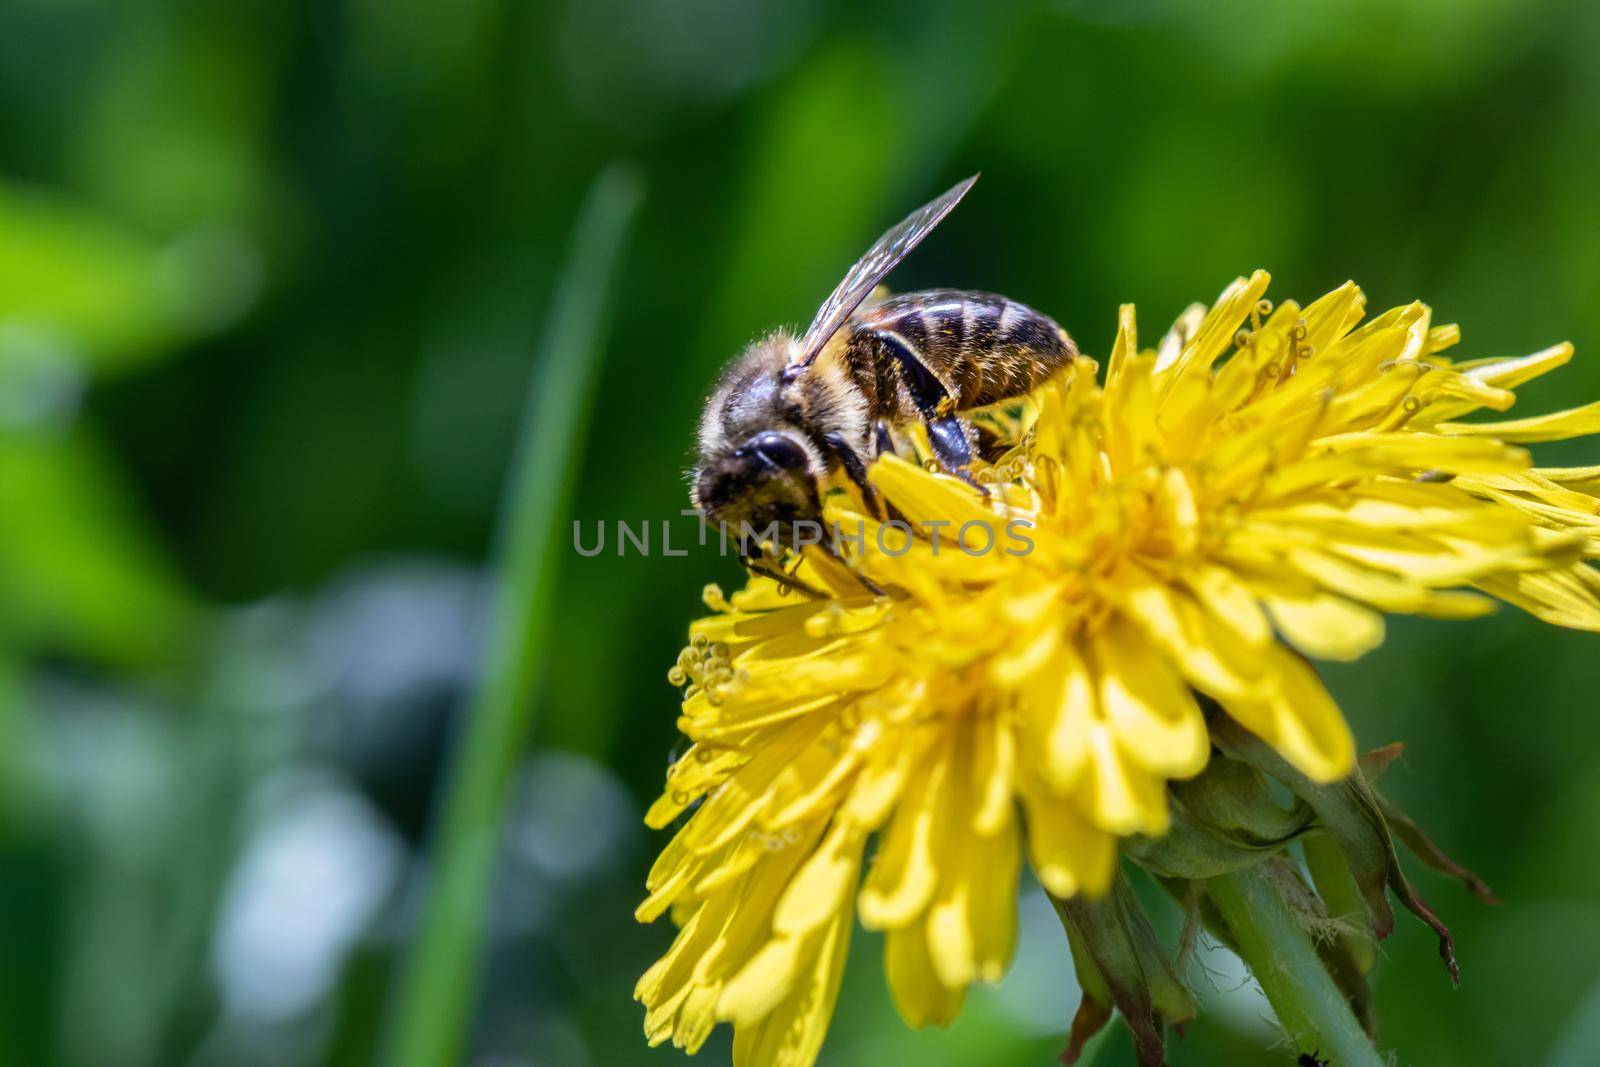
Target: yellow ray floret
x: 1017, y: 668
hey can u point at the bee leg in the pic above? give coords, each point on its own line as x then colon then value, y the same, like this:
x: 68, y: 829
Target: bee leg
x: 884, y: 442
x: 766, y: 568
x: 838, y: 557
x: 953, y: 448
x: 948, y: 433
x: 855, y: 469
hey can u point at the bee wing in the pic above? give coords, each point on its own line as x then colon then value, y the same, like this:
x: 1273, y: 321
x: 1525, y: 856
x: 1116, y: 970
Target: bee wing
x: 871, y: 269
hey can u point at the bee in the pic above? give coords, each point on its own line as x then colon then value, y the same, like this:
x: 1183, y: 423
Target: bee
x: 789, y: 412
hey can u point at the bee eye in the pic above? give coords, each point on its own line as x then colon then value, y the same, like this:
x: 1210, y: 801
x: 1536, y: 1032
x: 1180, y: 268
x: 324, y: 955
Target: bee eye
x: 777, y: 450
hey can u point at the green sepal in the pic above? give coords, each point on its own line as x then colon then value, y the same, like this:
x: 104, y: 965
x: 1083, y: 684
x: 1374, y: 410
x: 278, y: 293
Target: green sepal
x: 1404, y: 827
x: 1222, y: 820
x: 1350, y: 813
x: 1120, y: 964
x: 1422, y: 846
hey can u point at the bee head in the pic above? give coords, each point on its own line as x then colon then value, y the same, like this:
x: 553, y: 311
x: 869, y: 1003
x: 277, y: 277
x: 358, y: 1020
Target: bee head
x: 765, y: 479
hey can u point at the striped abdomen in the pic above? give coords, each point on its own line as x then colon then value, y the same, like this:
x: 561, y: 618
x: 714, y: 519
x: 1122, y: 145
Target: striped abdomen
x: 982, y: 348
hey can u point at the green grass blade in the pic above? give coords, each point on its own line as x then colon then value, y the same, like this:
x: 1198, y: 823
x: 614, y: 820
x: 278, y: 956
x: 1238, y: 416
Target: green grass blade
x: 431, y: 1006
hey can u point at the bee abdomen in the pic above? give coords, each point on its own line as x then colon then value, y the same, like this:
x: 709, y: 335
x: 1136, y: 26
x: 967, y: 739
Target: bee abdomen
x: 985, y: 348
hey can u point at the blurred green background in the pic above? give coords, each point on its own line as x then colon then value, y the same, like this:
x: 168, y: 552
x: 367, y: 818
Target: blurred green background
x: 272, y: 282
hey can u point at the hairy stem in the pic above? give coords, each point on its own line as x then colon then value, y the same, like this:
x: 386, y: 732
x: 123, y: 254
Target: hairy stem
x: 1271, y: 940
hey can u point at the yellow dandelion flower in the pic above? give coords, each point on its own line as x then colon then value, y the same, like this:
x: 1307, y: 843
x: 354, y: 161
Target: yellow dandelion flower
x: 1261, y: 488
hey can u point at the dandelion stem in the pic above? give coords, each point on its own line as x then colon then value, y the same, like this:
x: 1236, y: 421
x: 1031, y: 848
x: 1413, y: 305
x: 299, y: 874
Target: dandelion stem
x: 432, y: 1004
x: 1280, y: 954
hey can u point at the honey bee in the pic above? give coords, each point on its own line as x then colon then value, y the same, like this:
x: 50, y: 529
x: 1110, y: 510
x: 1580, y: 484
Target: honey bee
x: 790, y: 411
